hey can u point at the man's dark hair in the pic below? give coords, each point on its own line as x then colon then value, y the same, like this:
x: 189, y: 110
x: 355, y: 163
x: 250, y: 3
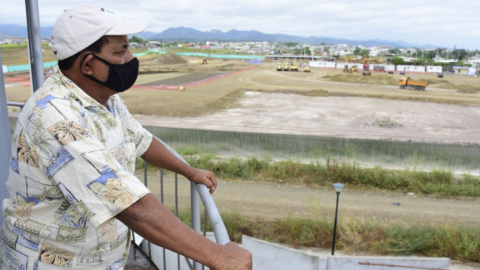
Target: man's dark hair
x: 96, y: 47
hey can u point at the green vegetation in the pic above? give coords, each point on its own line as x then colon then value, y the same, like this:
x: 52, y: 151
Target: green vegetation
x: 315, y: 174
x: 358, y: 236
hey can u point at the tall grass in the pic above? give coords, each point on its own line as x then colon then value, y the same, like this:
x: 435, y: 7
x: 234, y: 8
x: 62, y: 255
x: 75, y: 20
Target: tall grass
x: 442, y: 183
x: 360, y: 236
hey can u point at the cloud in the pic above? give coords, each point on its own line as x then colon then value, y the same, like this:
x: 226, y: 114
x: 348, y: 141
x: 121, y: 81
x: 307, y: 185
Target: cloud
x: 442, y: 23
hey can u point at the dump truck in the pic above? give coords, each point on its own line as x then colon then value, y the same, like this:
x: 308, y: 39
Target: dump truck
x: 306, y: 69
x: 409, y: 83
x: 286, y: 67
x: 366, y: 69
x: 280, y: 66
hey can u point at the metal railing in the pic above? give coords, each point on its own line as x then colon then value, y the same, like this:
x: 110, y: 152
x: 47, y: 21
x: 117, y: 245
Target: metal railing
x: 197, y: 192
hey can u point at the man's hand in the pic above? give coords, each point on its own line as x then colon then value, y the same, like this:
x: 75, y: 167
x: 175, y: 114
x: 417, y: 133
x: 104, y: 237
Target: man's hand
x: 233, y: 257
x: 203, y: 177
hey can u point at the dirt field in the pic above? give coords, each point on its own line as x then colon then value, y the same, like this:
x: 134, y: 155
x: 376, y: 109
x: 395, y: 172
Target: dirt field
x: 271, y: 201
x: 254, y: 100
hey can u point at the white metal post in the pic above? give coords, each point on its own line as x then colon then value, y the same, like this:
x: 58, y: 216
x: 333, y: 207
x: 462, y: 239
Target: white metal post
x: 34, y: 44
x: 5, y: 141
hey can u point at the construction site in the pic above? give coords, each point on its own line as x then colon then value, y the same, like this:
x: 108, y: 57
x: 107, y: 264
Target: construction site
x: 301, y: 98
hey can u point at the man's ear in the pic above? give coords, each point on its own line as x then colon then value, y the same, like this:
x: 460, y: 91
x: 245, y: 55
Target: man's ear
x: 86, y: 64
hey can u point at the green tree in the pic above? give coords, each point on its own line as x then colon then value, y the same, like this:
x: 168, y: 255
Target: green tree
x: 364, y: 53
x: 459, y: 54
x: 357, y: 51
x: 394, y: 51
x: 430, y: 54
x: 290, y: 44
x: 308, y: 51
x: 397, y: 60
x: 136, y: 39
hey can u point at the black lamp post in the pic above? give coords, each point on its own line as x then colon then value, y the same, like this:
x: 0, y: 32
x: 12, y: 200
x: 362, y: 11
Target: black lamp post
x: 338, y: 188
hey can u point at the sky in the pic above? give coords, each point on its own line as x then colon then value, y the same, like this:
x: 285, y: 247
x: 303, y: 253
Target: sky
x: 419, y: 22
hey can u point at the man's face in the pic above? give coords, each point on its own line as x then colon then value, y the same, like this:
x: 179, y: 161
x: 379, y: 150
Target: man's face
x: 116, y: 51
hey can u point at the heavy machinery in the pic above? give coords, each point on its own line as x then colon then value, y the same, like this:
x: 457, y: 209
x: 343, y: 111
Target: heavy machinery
x: 350, y: 70
x: 294, y: 66
x: 286, y: 67
x: 409, y: 83
x: 306, y: 69
x: 351, y: 59
x: 280, y: 66
x: 203, y: 62
x: 366, y: 70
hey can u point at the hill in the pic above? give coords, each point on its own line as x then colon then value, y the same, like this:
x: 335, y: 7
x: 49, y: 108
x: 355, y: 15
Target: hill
x: 192, y: 35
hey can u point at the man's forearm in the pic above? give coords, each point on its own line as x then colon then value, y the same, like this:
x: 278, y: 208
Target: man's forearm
x: 153, y: 221
x: 158, y: 155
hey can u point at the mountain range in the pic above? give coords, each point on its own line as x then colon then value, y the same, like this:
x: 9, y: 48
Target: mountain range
x: 192, y: 35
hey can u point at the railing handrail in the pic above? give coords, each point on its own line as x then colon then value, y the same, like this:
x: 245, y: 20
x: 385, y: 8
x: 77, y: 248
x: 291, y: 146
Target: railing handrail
x: 216, y: 221
x: 16, y: 104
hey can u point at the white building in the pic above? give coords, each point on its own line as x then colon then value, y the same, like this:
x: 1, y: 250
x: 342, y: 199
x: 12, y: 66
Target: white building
x: 13, y: 40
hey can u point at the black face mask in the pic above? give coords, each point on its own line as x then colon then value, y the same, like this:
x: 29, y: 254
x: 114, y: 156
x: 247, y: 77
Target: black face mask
x: 120, y: 77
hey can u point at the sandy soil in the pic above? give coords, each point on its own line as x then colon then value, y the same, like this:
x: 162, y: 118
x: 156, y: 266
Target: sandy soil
x: 353, y: 117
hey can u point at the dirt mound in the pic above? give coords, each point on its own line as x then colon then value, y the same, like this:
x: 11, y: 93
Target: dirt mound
x: 435, y: 81
x: 447, y: 85
x: 461, y: 88
x: 169, y: 58
x: 379, y: 79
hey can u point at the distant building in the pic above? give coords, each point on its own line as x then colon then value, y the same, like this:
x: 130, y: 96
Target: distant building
x: 14, y: 40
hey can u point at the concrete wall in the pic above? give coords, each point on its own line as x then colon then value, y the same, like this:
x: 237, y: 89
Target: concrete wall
x: 410, y: 68
x: 434, y: 69
x: 376, y: 67
x: 274, y: 256
x: 322, y: 64
x: 342, y: 65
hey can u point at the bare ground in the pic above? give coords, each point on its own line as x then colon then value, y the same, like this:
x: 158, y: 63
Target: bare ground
x: 271, y: 201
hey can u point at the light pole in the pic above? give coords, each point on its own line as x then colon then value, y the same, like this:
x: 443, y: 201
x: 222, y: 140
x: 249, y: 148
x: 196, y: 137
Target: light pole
x: 338, y: 188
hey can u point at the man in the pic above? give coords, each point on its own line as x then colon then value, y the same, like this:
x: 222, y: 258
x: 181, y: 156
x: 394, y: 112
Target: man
x: 73, y: 194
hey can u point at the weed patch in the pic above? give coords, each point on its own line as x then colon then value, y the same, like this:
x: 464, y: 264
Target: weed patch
x: 315, y: 174
x: 360, y: 236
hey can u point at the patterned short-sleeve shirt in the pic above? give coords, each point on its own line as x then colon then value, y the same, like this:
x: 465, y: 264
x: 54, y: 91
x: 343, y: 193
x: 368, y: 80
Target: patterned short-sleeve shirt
x: 71, y: 171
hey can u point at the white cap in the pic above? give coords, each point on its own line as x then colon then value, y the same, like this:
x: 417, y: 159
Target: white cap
x: 79, y: 27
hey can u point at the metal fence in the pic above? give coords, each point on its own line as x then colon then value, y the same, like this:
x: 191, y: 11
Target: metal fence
x: 198, y: 191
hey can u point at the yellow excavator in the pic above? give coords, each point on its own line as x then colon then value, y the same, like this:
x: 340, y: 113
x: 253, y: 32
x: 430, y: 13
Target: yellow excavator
x: 280, y: 66
x: 351, y: 59
x: 286, y: 67
x: 203, y: 62
x: 294, y: 66
x: 306, y: 69
x: 350, y: 70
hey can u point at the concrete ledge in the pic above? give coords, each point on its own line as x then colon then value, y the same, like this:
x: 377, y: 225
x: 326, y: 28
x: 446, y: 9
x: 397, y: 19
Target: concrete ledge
x: 268, y: 255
